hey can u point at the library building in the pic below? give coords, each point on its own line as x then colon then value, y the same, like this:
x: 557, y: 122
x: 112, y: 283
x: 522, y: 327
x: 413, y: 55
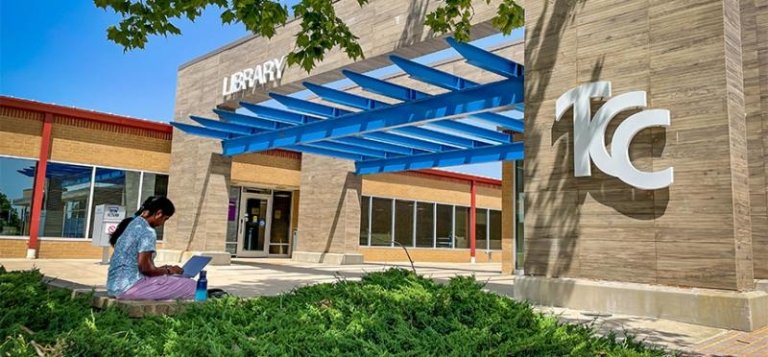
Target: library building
x: 631, y: 144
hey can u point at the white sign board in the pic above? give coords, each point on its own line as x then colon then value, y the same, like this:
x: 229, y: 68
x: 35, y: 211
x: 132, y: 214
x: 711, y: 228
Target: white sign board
x: 105, y: 221
x: 589, y: 133
x: 269, y: 71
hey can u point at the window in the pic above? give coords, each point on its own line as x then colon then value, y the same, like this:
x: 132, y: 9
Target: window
x: 404, y: 222
x: 232, y: 218
x: 364, y: 220
x: 152, y: 185
x: 461, y: 230
x: 519, y: 215
x: 425, y: 224
x: 16, y: 181
x: 65, y: 201
x: 444, y: 226
x: 116, y: 187
x: 381, y: 222
x: 481, y: 228
x: 494, y: 227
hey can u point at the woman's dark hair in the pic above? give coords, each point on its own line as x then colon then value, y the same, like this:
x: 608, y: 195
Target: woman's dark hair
x: 151, y: 205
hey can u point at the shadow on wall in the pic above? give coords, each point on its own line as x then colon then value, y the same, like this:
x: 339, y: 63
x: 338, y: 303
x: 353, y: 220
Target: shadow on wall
x: 352, y: 180
x: 414, y: 28
x: 557, y: 230
x: 551, y: 233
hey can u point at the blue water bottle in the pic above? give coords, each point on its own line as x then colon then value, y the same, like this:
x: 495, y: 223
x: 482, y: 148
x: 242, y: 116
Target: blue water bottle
x: 201, y: 293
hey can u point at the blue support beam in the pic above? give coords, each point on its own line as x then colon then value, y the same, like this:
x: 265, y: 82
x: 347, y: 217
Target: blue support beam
x: 502, y: 152
x: 223, y: 126
x: 344, y: 98
x: 247, y: 120
x: 308, y: 107
x: 352, y: 149
x: 430, y: 75
x: 204, y: 132
x: 477, y: 99
x: 439, y: 137
x: 377, y: 145
x: 503, y: 121
x: 384, y: 88
x: 278, y: 115
x: 419, y: 144
x: 491, y: 135
x: 488, y: 61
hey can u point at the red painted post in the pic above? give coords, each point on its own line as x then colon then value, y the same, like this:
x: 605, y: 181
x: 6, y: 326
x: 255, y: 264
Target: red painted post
x: 39, y: 190
x: 472, y: 220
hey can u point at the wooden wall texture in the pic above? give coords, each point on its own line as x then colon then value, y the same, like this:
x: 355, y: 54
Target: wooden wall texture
x: 706, y: 61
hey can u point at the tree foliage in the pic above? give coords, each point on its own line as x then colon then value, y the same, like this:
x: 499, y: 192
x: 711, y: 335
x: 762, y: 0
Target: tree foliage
x: 321, y: 30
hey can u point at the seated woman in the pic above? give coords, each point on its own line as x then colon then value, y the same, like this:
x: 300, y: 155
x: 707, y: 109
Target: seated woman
x: 132, y: 271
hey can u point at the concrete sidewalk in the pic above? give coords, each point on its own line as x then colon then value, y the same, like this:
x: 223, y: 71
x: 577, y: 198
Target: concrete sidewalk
x: 259, y: 277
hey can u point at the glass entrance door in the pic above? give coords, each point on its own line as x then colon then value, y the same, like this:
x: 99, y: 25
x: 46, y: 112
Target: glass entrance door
x: 255, y: 219
x: 280, y: 231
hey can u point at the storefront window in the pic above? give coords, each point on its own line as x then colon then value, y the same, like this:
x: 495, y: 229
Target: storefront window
x: 65, y: 202
x: 404, y: 222
x: 444, y: 228
x: 425, y: 224
x: 519, y: 215
x: 494, y: 228
x: 381, y: 222
x: 481, y: 228
x: 152, y: 185
x: 365, y: 205
x: 116, y: 187
x: 461, y: 230
x: 232, y: 218
x: 16, y: 182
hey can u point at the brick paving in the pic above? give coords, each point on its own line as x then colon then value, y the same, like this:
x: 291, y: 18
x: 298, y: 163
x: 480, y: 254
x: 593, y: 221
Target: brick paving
x: 736, y: 343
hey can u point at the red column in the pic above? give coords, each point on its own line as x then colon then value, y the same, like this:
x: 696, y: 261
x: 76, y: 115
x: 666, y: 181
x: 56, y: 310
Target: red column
x: 472, y: 220
x: 39, y: 190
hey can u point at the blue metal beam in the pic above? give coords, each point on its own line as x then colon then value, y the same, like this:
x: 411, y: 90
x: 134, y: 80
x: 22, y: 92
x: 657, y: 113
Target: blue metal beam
x: 504, y: 121
x: 308, y: 107
x: 251, y: 121
x: 420, y: 133
x: 377, y: 145
x: 223, y: 126
x: 488, y: 61
x: 204, y: 132
x: 477, y: 99
x: 512, y: 151
x: 344, y: 98
x: 384, y: 88
x: 349, y: 149
x: 407, y: 141
x: 430, y: 75
x: 278, y: 115
x: 491, y: 135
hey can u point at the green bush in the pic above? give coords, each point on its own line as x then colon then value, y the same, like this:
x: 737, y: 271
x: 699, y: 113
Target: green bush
x: 389, y: 313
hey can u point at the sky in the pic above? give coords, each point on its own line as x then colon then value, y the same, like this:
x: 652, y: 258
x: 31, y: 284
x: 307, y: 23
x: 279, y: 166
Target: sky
x: 56, y: 51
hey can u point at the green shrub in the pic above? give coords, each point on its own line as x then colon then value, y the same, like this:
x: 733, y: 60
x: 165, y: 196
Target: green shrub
x: 389, y: 313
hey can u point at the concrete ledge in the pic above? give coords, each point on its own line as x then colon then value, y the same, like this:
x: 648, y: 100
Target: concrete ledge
x: 761, y: 285
x: 746, y: 311
x: 328, y: 258
x: 179, y: 256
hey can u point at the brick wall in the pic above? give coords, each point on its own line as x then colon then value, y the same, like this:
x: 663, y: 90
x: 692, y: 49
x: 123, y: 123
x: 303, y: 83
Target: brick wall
x: 53, y: 249
x: 430, y: 189
x: 20, y: 133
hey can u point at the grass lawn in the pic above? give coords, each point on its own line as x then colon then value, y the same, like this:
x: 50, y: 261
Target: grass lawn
x: 388, y: 313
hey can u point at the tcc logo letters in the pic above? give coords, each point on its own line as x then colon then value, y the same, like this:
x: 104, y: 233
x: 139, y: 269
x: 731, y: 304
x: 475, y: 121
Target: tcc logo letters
x: 589, y: 134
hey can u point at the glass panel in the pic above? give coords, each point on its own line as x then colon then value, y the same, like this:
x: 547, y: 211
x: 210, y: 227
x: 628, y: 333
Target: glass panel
x: 234, y: 199
x: 481, y: 230
x: 364, y: 207
x: 116, y: 187
x: 495, y: 227
x: 154, y: 185
x: 255, y: 224
x: 404, y: 222
x: 65, y: 201
x: 444, y: 226
x: 462, y: 227
x: 280, y: 230
x: 519, y: 215
x: 425, y: 225
x: 381, y: 222
x: 17, y: 177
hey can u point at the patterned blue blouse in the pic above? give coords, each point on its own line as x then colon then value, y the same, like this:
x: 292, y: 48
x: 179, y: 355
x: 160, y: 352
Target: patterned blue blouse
x: 137, y: 238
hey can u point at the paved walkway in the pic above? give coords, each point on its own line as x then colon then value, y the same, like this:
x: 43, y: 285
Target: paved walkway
x: 258, y: 277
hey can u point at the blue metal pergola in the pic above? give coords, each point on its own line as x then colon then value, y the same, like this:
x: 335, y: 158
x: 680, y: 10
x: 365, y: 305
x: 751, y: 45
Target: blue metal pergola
x: 416, y: 130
